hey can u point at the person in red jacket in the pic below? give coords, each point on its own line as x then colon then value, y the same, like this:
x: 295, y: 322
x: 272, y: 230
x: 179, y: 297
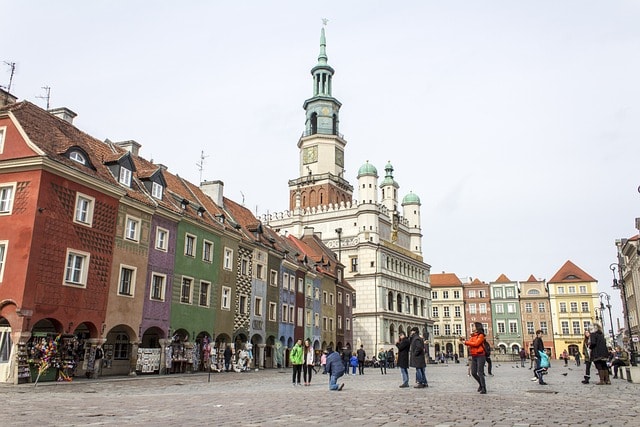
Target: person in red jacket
x: 478, y: 356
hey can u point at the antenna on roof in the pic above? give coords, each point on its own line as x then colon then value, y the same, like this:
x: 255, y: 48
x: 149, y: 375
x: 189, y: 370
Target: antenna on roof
x: 200, y: 164
x: 47, y: 89
x: 12, y: 65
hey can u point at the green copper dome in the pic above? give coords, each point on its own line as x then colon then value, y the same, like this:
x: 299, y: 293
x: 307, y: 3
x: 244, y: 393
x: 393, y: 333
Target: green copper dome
x: 367, y: 169
x: 388, y: 178
x: 411, y: 199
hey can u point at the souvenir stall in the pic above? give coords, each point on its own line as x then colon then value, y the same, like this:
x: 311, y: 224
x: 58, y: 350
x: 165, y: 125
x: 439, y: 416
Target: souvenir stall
x: 52, y: 358
x: 180, y: 356
x: 148, y: 360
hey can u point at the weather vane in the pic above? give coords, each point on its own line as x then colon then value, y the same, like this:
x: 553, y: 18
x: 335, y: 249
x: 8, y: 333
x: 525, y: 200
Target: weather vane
x: 325, y: 21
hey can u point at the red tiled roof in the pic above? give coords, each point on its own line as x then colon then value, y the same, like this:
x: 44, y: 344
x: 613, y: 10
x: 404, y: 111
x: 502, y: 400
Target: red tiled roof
x: 444, y: 279
x: 570, y: 272
x: 502, y: 279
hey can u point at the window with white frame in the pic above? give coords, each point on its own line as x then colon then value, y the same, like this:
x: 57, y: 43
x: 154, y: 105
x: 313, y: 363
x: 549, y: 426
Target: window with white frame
x: 291, y: 314
x: 572, y: 289
x: 3, y: 253
x: 434, y: 312
x: 586, y: 325
x: 497, y: 293
x: 436, y: 330
x: 501, y: 328
x: 481, y: 294
x: 3, y: 132
x: 543, y: 327
x: 300, y: 316
x: 121, y: 347
x: 434, y: 294
x: 561, y: 289
x: 472, y: 293
x: 125, y: 176
x: 78, y: 157
x: 225, y: 300
x: 300, y: 285
x: 307, y: 318
x: 530, y: 328
x: 472, y: 308
x: 205, y: 289
x: 445, y: 311
x: 273, y: 278
x: 457, y: 329
x: 325, y: 323
x: 273, y: 308
x: 189, y: 245
x: 185, y: 290
x: 456, y: 294
x: 564, y: 325
x: 445, y: 294
x: 447, y: 329
x: 347, y: 299
x: 77, y: 268
x: 339, y: 297
x: 563, y: 307
x: 574, y: 306
x: 132, y: 228
x: 84, y: 209
x: 228, y: 259
x: 585, y: 306
x: 325, y: 297
x: 528, y: 308
x: 511, y: 308
x: 207, y: 251
x: 162, y: 239
x: 285, y: 280
x: 260, y: 271
x: 309, y: 293
x: 292, y: 283
x: 157, y: 190
x: 347, y: 324
x: 576, y: 327
x: 456, y: 311
x: 513, y: 327
x: 542, y: 307
x: 583, y: 289
x: 158, y: 282
x: 127, y: 280
x: 257, y: 307
x: 510, y: 292
x: 316, y: 320
x: 7, y: 192
x: 316, y: 294
x: 482, y: 308
x: 499, y: 308
x: 331, y: 324
x: 331, y: 299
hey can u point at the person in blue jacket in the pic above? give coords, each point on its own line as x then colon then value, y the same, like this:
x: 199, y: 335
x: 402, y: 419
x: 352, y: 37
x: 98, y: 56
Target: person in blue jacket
x: 335, y: 369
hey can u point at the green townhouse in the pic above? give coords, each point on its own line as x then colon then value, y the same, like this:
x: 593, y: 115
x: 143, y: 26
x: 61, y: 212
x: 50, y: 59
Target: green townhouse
x: 507, y: 323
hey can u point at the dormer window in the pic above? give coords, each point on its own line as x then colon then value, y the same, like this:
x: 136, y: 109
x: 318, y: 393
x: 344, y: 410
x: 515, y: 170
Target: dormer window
x: 77, y: 156
x: 125, y: 176
x: 157, y: 190
x: 201, y: 211
x: 184, y: 204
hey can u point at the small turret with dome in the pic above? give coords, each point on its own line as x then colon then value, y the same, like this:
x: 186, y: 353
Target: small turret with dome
x: 368, y: 183
x: 389, y: 188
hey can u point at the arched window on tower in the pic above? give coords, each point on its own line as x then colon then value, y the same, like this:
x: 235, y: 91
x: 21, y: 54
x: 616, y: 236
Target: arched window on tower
x: 390, y: 301
x: 314, y: 123
x: 335, y: 124
x: 399, y: 303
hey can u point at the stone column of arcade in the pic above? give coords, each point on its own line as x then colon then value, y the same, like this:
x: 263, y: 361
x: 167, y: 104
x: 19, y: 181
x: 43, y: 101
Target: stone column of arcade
x: 133, y: 360
x: 18, y: 338
x: 164, y: 343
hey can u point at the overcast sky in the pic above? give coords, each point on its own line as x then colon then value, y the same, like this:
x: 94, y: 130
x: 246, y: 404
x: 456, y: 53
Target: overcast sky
x: 516, y: 123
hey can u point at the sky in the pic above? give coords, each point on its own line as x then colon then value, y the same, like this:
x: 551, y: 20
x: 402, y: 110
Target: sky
x: 516, y: 123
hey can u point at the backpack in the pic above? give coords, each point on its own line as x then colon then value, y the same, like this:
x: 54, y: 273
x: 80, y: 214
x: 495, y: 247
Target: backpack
x: 487, y: 348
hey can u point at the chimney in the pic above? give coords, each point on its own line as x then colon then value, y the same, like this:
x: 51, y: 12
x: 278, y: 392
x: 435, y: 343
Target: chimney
x: 161, y: 166
x: 63, y: 113
x: 6, y: 98
x: 307, y: 231
x: 215, y: 190
x: 131, y: 146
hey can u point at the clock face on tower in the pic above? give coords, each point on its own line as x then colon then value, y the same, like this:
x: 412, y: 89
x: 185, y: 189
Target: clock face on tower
x: 339, y: 157
x: 310, y: 154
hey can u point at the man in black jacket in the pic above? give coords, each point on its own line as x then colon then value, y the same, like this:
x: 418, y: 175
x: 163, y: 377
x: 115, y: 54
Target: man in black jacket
x: 416, y: 358
x: 362, y: 356
x: 538, y: 346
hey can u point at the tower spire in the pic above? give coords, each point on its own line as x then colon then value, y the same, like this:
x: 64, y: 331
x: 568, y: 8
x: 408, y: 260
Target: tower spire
x: 322, y: 58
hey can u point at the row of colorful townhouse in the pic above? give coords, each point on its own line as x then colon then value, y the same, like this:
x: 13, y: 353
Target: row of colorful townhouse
x: 102, y: 248
x: 511, y: 312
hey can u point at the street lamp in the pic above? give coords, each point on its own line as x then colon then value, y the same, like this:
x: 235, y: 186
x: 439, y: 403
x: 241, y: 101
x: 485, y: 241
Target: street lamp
x: 608, y: 306
x: 619, y: 284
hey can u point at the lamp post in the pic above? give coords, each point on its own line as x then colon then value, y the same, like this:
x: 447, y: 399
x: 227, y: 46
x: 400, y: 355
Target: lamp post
x: 608, y: 306
x: 618, y: 283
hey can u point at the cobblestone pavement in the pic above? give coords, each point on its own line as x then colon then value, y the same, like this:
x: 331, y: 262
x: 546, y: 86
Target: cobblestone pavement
x: 268, y: 398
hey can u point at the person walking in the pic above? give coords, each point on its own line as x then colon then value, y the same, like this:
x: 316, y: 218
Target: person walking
x: 335, y: 369
x: 362, y: 356
x: 323, y: 362
x: 587, y: 358
x: 599, y: 353
x: 577, y: 356
x: 403, y: 358
x: 565, y: 356
x: 523, y: 357
x: 416, y: 357
x: 296, y: 358
x: 476, y: 348
x: 354, y: 364
x: 538, y: 346
x: 309, y: 361
x: 382, y: 360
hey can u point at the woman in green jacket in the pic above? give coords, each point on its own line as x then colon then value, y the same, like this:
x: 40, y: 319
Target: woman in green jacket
x: 296, y: 360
